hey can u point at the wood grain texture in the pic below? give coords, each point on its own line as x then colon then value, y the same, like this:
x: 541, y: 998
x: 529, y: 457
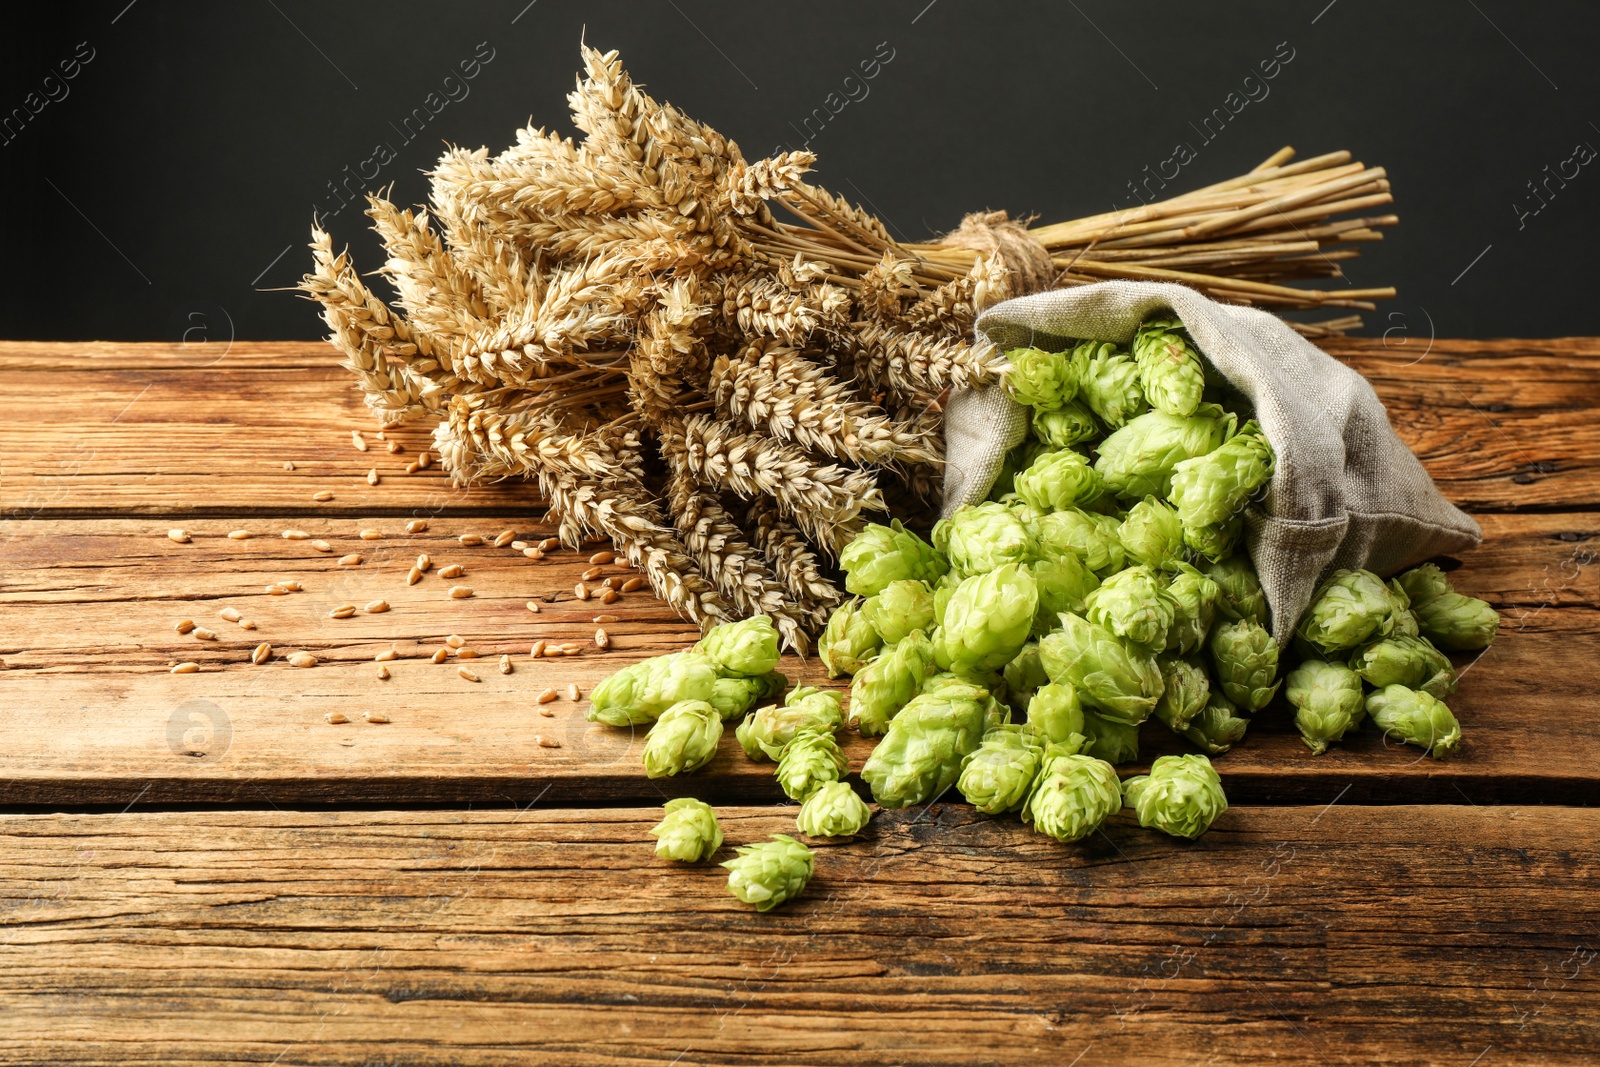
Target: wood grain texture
x: 89, y: 714
x: 1342, y: 935
x: 160, y: 430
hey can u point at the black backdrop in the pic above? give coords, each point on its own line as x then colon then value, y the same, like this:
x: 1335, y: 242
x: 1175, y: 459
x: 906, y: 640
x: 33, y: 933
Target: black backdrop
x: 168, y: 177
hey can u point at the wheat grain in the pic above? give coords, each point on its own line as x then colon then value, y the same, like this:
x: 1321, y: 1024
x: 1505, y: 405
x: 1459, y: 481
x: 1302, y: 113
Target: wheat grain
x: 425, y: 461
x: 468, y: 675
x: 546, y: 742
x: 632, y: 584
x: 547, y: 696
x: 343, y: 611
x: 547, y: 713
x: 414, y: 576
x: 295, y: 535
x: 231, y: 614
x: 460, y: 592
x: 351, y: 560
x: 186, y: 668
x: 370, y: 535
x: 372, y: 476
x: 601, y: 638
x: 262, y: 653
x: 183, y: 626
x: 396, y: 447
x: 537, y: 650
x: 375, y: 607
x: 572, y: 691
x: 505, y: 665
x: 387, y: 655
x: 377, y: 717
x: 455, y: 641
x: 550, y: 544
x: 180, y: 536
x: 581, y: 591
x: 238, y: 535
x: 293, y: 587
x: 424, y: 561
x: 520, y: 546
x: 466, y: 653
x: 322, y: 496
x: 302, y: 659
x: 471, y: 540
x: 335, y: 717
x: 200, y: 633
x: 610, y: 596
x: 413, y: 467
x: 359, y: 442
x: 533, y: 552
x: 603, y: 619
x: 383, y: 673
x: 591, y: 574
x: 246, y: 624
x: 440, y: 655
x: 277, y: 589
x: 416, y: 526
x: 321, y: 546
x: 288, y: 464
x: 602, y: 557
x: 454, y: 570
x: 504, y: 538
x: 570, y: 649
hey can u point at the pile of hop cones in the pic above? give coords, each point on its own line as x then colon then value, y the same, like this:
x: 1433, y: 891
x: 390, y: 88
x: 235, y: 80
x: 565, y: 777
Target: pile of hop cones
x: 723, y: 367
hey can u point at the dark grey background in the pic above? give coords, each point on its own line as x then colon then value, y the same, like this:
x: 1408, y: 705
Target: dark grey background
x: 172, y: 185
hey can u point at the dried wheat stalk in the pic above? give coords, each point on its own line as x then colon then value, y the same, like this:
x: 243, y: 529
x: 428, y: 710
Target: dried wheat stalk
x: 726, y: 391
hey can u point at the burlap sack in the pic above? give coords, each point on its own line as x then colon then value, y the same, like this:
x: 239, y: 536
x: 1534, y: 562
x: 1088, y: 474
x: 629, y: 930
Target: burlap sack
x: 1346, y: 492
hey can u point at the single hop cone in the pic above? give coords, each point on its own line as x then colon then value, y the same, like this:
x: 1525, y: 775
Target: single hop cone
x: 1151, y: 534
x: 1064, y: 583
x: 1214, y: 488
x: 1245, y: 658
x: 1181, y: 796
x: 683, y: 739
x: 1059, y: 479
x: 884, y: 685
x: 882, y: 554
x: 1457, y: 623
x: 1240, y: 595
x: 987, y: 620
x: 978, y: 538
x: 997, y: 776
x: 1092, y: 538
x: 1056, y: 715
x: 763, y: 733
x: 1415, y: 718
x: 640, y: 692
x: 1137, y: 460
x: 1185, y: 688
x: 1400, y: 659
x: 735, y: 694
x: 768, y: 873
x: 1348, y: 610
x: 1194, y: 597
x: 1218, y: 727
x: 1133, y: 604
x: 848, y: 641
x: 920, y: 755
x: 689, y: 832
x: 1327, y: 701
x: 900, y: 608
x: 748, y: 647
x: 1044, y: 380
x: 1114, y: 677
x: 1170, y: 371
x: 833, y: 810
x: 1111, y: 385
x: 811, y: 760
x: 1069, y: 425
x: 1072, y: 796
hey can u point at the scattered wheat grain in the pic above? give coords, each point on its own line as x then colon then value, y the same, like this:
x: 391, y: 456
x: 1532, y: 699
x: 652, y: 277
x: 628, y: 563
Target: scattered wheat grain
x: 580, y: 591
x: 504, y: 538
x: 277, y: 589
x: 321, y: 545
x: 468, y: 675
x: 293, y: 587
x: 395, y: 447
x: 322, y: 496
x: 466, y: 653
x: 238, y: 535
x: 352, y: 560
x: 288, y: 464
x: 376, y: 717
x: 180, y: 536
x: 601, y: 638
x: 547, y: 742
x: 570, y: 649
x: 295, y: 535
x: 603, y: 557
x: 414, y: 576
x: 343, y: 611
x: 537, y: 650
x: 591, y: 574
x: 336, y: 717
x: 636, y: 582
x: 425, y: 460
x: 231, y: 614
x: 387, y: 654
x: 416, y: 526
x: 505, y: 665
x: 371, y: 535
x: 599, y: 619
x: 534, y: 553
x: 470, y: 540
x: 572, y: 691
x: 455, y: 640
x: 203, y: 634
x: 455, y: 570
x: 302, y: 659
x: 358, y: 441
x: 383, y: 673
x: 547, y: 713
x: 520, y: 546
x: 376, y: 607
x: 372, y: 476
x: 533, y: 606
x: 547, y: 696
x: 440, y: 656
x: 186, y: 668
x: 550, y: 544
x: 246, y: 624
x: 460, y: 592
x: 262, y: 653
x: 413, y: 467
x: 184, y: 626
x: 610, y: 596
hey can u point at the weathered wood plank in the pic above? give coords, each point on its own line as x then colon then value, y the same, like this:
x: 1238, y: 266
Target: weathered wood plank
x: 154, y: 429
x: 1414, y: 936
x: 89, y: 714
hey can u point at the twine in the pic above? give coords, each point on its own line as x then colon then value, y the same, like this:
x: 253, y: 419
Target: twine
x: 994, y: 233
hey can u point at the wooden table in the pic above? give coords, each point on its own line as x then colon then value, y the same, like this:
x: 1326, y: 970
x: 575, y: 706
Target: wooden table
x: 200, y: 868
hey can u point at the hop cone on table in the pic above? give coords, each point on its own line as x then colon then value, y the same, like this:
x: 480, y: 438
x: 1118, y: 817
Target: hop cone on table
x: 733, y: 695
x: 1401, y: 659
x: 748, y: 647
x: 1327, y: 700
x: 1133, y: 604
x: 920, y: 755
x: 833, y: 810
x: 883, y: 686
x: 1072, y: 796
x: 683, y: 739
x: 812, y: 759
x: 1170, y: 371
x: 1245, y: 657
x: 1059, y: 479
x: 987, y: 620
x: 1138, y: 460
x: 1240, y: 595
x: 689, y: 832
x: 1455, y: 622
x: 981, y: 537
x: 1056, y: 715
x: 1194, y: 597
x: 997, y: 776
x: 1151, y: 534
x: 1219, y: 726
x: 1212, y: 489
x: 883, y: 554
x: 1110, y: 740
x: 768, y: 873
x: 1214, y: 543
x: 641, y: 691
x: 1185, y: 688
x: 1066, y: 426
x: 1111, y: 385
x: 1064, y: 583
x: 763, y: 733
x: 848, y: 641
x: 1115, y: 677
x: 1181, y: 796
x: 900, y: 608
x: 1415, y: 718
x: 1023, y: 676
x: 1091, y: 537
x: 1348, y: 610
x: 1423, y: 582
x: 1044, y: 380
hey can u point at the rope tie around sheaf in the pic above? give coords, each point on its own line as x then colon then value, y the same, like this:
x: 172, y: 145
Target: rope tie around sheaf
x: 994, y: 233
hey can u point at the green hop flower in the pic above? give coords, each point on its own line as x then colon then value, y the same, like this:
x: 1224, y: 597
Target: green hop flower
x: 1025, y: 512
x: 1216, y: 542
x: 1018, y: 459
x: 987, y: 620
x: 996, y: 777
x: 1111, y: 386
x: 980, y: 537
x: 1138, y: 460
x: 1185, y: 688
x: 1245, y: 657
x: 848, y: 641
x: 689, y: 833
x: 1092, y: 538
x: 902, y: 607
x: 1056, y: 714
x: 978, y: 687
x: 1115, y: 742
x: 810, y: 760
x: 734, y: 695
x: 683, y: 739
x: 763, y: 733
x: 1134, y: 604
x: 1327, y: 701
x: 1195, y: 597
x: 833, y: 810
x: 1181, y: 796
x: 1044, y: 380
x: 1415, y: 718
x: 1350, y: 609
x: 1060, y: 479
x: 882, y: 554
x: 1219, y: 726
x: 883, y: 686
x: 1066, y: 426
x: 1423, y: 583
x: 1458, y: 623
x: 1151, y: 533
x: 748, y: 647
x: 1241, y: 594
x: 1064, y: 583
x: 920, y: 756
x: 768, y: 873
x: 1170, y: 370
x: 1072, y: 796
x: 1213, y: 488
x: 1114, y: 677
x: 641, y: 691
x: 1401, y: 659
x: 1023, y: 676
